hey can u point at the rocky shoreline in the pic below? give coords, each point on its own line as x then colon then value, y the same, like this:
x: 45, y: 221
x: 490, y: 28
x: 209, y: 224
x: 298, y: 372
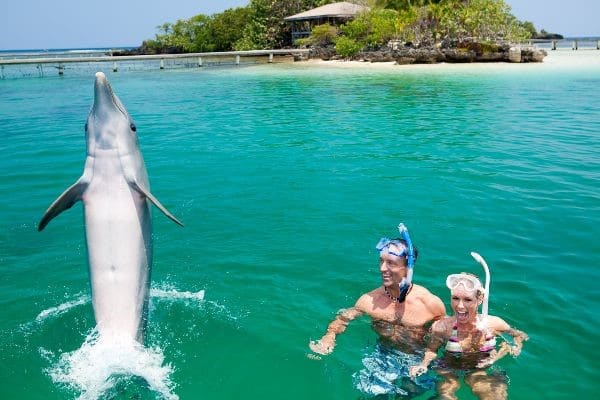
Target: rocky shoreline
x: 474, y: 52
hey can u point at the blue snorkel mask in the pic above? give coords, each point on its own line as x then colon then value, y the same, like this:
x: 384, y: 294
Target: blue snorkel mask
x: 408, y: 251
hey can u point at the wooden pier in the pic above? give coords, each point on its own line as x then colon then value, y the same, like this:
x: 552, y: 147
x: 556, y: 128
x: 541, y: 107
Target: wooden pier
x: 568, y: 44
x: 196, y: 59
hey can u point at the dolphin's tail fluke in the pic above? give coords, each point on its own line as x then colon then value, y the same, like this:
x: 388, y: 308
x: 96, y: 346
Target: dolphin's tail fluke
x: 65, y: 201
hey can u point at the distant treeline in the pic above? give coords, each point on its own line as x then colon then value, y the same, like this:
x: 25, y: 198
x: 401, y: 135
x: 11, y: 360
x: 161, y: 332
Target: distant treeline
x: 422, y: 23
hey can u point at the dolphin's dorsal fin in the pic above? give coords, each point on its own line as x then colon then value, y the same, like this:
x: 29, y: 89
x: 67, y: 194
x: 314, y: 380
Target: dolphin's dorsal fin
x: 153, y: 200
x: 65, y: 201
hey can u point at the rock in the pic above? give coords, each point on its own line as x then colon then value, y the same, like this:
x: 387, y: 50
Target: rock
x: 533, y: 55
x: 514, y: 54
x: 464, y: 52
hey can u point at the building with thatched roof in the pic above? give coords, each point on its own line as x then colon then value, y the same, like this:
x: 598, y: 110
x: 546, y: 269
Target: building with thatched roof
x: 333, y: 14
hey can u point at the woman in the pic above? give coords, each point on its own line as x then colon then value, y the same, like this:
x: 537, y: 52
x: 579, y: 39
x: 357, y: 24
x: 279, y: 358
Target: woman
x: 470, y: 341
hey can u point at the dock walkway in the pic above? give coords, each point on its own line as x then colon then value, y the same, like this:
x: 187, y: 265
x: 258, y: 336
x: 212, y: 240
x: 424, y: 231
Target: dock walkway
x: 152, y: 61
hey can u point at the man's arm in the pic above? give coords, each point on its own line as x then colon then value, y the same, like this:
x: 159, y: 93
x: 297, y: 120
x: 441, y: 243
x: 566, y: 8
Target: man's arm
x: 434, y: 306
x: 326, y: 344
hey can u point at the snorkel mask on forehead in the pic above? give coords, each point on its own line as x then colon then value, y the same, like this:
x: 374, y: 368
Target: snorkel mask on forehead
x: 383, y: 246
x: 472, y: 283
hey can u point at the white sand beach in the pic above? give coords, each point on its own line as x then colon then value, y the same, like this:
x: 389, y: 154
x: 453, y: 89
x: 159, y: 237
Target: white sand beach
x: 556, y: 59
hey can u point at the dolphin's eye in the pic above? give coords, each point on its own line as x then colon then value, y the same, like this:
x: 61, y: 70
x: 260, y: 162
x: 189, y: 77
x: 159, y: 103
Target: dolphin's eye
x: 132, y: 126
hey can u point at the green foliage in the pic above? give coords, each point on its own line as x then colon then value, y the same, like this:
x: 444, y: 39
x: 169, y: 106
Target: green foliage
x: 529, y: 27
x: 223, y: 29
x: 479, y: 19
x: 261, y: 25
x: 322, y: 35
x: 268, y: 28
x: 347, y: 47
x: 385, y: 26
x: 357, y: 29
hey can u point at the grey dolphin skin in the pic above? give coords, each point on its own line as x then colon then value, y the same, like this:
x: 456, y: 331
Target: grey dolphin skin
x: 116, y: 200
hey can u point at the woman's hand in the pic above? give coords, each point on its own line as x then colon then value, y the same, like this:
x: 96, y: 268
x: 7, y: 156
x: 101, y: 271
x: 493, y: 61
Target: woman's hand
x: 495, y: 355
x: 515, y: 350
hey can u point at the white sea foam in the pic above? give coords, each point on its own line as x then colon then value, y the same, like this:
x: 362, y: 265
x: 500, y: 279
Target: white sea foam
x: 98, y: 364
x: 174, y: 294
x: 62, y: 308
x: 163, y: 292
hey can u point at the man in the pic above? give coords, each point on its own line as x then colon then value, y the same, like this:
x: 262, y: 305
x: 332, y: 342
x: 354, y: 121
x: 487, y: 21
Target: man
x: 401, y: 313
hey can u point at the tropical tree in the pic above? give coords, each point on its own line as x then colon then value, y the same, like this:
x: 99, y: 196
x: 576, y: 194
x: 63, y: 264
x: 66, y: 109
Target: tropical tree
x: 223, y: 30
x: 268, y: 28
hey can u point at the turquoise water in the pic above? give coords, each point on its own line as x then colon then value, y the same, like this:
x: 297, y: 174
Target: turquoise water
x: 285, y: 177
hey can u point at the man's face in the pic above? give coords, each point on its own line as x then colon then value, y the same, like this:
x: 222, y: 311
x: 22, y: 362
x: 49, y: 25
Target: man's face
x: 392, y: 268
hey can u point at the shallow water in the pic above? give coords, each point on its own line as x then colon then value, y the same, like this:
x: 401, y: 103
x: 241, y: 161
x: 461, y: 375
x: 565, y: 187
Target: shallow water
x: 285, y: 177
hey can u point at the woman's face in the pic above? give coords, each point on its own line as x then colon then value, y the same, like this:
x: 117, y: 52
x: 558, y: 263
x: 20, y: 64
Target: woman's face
x: 464, y: 304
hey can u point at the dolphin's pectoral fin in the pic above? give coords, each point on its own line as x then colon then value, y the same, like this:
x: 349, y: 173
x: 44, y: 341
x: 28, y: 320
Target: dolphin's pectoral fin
x: 65, y: 201
x: 154, y: 201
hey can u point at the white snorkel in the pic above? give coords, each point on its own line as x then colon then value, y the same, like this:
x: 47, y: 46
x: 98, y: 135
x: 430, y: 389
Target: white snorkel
x: 482, y: 323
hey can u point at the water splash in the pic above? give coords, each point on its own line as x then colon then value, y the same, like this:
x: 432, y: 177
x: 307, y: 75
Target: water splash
x: 62, y: 308
x: 162, y: 292
x: 173, y: 294
x: 98, y: 365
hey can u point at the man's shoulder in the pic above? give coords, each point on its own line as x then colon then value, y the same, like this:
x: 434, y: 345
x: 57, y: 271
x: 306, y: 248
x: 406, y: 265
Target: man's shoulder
x: 424, y: 294
x: 428, y: 300
x: 366, y: 300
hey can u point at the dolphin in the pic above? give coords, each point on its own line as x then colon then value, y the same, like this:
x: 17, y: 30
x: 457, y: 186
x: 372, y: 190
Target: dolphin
x: 116, y: 200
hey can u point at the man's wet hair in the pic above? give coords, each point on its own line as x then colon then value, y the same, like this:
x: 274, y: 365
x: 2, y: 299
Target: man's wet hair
x: 415, y: 250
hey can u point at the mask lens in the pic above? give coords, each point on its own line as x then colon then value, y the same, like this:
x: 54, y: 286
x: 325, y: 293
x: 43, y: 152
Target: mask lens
x: 384, y: 246
x: 468, y: 282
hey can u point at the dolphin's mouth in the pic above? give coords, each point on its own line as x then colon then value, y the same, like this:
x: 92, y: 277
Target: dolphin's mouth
x: 103, y: 92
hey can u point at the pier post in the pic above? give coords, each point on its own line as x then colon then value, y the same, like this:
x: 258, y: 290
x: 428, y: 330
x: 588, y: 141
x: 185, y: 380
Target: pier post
x: 115, y: 69
x: 61, y: 69
x: 237, y: 59
x: 598, y: 45
x: 200, y: 61
x: 270, y: 57
x: 554, y: 45
x: 575, y: 45
x: 2, y: 72
x: 162, y: 63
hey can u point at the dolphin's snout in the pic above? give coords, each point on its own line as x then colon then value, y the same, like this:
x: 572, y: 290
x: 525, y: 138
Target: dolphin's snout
x: 103, y: 94
x: 100, y: 77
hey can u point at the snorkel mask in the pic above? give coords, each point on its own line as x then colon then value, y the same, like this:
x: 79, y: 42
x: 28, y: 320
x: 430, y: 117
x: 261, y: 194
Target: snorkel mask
x: 472, y: 283
x: 383, y: 246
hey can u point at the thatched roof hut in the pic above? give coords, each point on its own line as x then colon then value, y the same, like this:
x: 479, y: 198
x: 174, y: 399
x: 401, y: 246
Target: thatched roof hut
x: 334, y: 14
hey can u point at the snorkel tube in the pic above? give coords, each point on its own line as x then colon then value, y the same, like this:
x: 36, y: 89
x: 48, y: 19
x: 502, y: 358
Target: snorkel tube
x: 486, y: 294
x: 410, y: 258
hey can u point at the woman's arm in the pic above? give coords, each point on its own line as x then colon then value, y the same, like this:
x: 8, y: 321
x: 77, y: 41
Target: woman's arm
x: 500, y: 326
x: 438, y: 337
x: 518, y: 338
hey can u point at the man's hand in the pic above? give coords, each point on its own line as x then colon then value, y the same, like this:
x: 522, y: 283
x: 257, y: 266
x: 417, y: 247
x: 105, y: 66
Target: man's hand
x: 322, y: 346
x: 417, y: 370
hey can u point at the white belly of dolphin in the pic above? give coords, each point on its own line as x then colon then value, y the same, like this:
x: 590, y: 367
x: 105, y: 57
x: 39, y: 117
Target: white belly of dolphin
x: 116, y: 196
x: 118, y: 230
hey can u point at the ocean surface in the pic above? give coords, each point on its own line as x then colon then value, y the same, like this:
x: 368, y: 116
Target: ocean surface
x: 285, y: 177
